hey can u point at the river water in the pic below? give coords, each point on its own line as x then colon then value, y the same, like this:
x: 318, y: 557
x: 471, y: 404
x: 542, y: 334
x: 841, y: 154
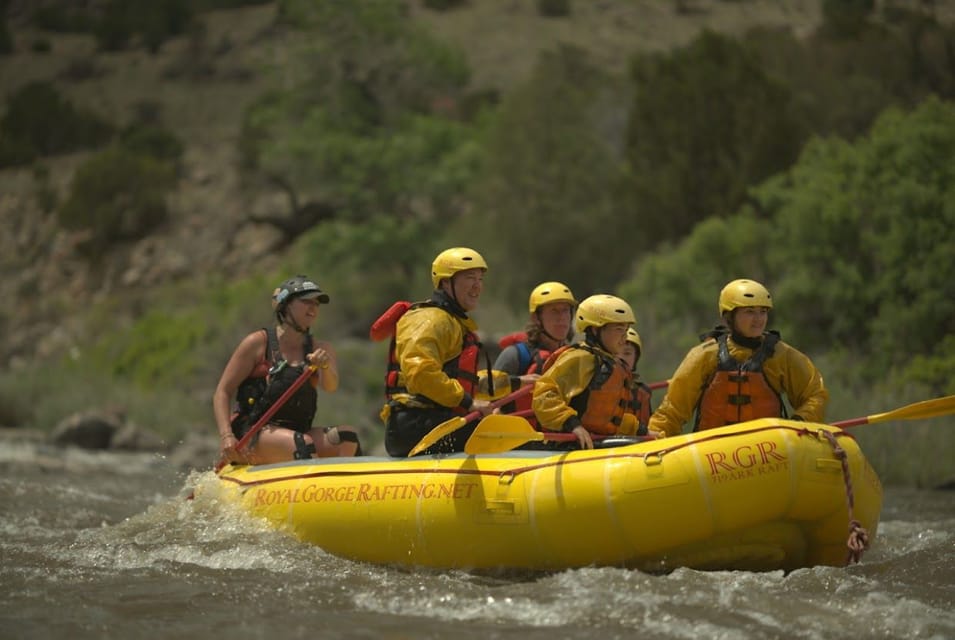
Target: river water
x: 104, y: 545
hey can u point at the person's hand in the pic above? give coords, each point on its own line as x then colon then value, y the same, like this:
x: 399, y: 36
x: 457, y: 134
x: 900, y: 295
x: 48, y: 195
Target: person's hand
x: 228, y: 449
x: 484, y: 407
x: 653, y: 433
x: 529, y: 378
x: 583, y: 438
x: 320, y: 358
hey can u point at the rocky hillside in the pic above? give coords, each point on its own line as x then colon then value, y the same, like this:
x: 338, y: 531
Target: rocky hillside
x: 201, y: 84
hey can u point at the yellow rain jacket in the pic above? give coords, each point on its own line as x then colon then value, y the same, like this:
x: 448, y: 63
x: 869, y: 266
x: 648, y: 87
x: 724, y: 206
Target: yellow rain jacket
x: 788, y: 371
x: 426, y: 339
x: 568, y: 377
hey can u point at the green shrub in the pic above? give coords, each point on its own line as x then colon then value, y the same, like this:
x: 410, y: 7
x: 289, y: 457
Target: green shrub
x: 553, y: 8
x: 15, y: 151
x: 41, y: 45
x: 204, y: 5
x: 154, y: 22
x: 846, y: 18
x: 82, y: 68
x: 6, y: 40
x: 61, y: 20
x: 707, y: 122
x: 154, y: 141
x: 443, y: 5
x: 548, y: 171
x: 39, y: 121
x: 117, y: 195
x: 160, y: 348
x: 43, y: 190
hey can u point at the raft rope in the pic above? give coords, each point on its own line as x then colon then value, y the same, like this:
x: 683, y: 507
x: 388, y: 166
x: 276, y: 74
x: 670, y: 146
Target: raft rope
x: 858, y: 536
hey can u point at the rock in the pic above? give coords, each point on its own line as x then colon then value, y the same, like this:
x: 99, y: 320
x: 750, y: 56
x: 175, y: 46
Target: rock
x: 133, y: 438
x: 948, y: 485
x: 88, y: 430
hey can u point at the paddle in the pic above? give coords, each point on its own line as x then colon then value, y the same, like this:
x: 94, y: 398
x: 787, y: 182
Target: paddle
x: 499, y: 433
x: 452, y: 425
x: 925, y: 409
x: 275, y: 406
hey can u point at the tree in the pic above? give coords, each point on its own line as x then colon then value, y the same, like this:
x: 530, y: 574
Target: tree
x: 707, y: 123
x: 855, y: 242
x: 864, y: 234
x: 360, y: 126
x: 544, y: 194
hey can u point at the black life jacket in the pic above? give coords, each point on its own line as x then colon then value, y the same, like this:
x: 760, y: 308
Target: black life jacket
x: 268, y: 381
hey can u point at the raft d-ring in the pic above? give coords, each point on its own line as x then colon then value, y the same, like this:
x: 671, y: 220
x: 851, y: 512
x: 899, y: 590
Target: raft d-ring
x: 506, y: 477
x: 653, y: 458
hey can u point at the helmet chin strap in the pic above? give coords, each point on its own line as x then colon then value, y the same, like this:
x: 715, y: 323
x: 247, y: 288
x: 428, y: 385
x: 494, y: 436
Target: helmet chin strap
x: 288, y: 321
x: 454, y: 294
x: 540, y: 323
x: 592, y: 337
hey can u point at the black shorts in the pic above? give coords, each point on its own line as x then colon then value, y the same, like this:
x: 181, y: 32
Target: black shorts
x: 406, y: 427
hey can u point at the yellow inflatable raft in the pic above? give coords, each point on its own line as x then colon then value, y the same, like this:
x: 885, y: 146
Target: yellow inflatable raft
x: 762, y: 495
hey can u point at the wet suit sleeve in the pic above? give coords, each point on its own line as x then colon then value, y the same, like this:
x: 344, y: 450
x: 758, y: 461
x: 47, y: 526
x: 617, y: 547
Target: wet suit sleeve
x: 553, y: 391
x: 684, y: 391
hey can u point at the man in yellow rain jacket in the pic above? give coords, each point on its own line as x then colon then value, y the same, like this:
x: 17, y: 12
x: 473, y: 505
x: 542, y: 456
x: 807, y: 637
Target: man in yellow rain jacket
x: 585, y: 389
x: 434, y: 365
x: 741, y: 371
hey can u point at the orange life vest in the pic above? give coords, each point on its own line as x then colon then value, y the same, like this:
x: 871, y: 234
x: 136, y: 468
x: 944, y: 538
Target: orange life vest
x: 602, y: 404
x: 739, y: 391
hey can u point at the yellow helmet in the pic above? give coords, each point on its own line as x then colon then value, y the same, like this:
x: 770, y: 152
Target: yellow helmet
x: 744, y: 293
x: 450, y: 261
x: 601, y: 309
x: 548, y: 292
x: 634, y: 338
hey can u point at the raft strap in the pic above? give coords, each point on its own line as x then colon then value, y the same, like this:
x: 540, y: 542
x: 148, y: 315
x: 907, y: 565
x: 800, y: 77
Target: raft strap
x: 351, y: 436
x: 858, y: 536
x: 303, y: 451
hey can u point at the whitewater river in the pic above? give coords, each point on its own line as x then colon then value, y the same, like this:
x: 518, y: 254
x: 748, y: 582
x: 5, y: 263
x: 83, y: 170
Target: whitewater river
x: 104, y: 546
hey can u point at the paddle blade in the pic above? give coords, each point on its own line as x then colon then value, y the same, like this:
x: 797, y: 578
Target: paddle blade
x: 452, y: 425
x: 917, y: 411
x: 499, y: 433
x: 445, y: 428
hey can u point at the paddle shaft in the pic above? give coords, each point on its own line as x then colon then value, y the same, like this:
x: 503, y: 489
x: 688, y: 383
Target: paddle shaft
x: 500, y: 402
x: 916, y: 411
x: 273, y: 408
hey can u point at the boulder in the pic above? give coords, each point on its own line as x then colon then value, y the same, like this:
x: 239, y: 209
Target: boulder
x: 88, y: 430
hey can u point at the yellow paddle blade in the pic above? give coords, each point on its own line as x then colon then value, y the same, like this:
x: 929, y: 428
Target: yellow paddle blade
x: 443, y: 429
x: 452, y: 425
x: 498, y: 433
x: 917, y: 411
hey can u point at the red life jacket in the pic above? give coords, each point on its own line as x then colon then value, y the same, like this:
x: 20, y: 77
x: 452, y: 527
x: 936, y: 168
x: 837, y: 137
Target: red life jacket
x: 602, y: 404
x: 530, y: 359
x: 462, y: 367
x: 739, y: 391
